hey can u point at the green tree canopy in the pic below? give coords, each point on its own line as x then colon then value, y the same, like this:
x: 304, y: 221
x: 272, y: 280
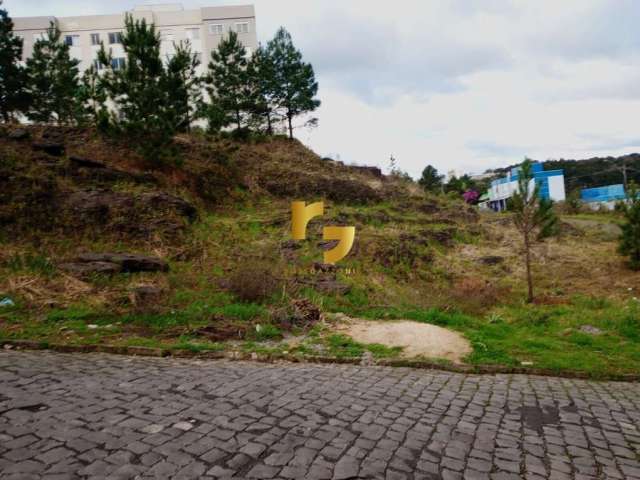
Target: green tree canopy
x: 183, y: 85
x: 138, y: 89
x: 13, y: 96
x: 630, y: 238
x: 431, y: 180
x: 262, y: 88
x: 227, y: 80
x: 52, y: 81
x: 295, y: 82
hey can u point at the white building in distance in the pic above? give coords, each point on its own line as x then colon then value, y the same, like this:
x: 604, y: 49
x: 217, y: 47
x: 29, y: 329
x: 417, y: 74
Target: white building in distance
x: 203, y: 27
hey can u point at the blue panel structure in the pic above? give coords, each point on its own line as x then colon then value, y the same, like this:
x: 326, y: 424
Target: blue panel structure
x: 603, y: 194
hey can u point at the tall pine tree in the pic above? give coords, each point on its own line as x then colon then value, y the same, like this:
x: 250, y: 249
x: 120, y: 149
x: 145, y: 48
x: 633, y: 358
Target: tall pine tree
x: 52, y: 81
x: 295, y: 81
x: 227, y: 79
x: 137, y: 90
x: 184, y: 86
x: 12, y: 76
x: 262, y: 88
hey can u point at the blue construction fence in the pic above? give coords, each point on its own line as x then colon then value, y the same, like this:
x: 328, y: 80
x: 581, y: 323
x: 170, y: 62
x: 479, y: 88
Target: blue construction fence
x: 603, y: 194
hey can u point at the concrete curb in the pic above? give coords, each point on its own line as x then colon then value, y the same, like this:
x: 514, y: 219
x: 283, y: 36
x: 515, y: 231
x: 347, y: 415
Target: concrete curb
x: 270, y: 358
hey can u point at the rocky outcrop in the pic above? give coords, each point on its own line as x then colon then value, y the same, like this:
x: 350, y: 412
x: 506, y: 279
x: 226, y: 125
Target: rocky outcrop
x: 86, y: 169
x: 54, y: 148
x: 130, y: 213
x: 375, y: 171
x: 18, y: 134
x: 128, y: 262
x: 82, y: 269
x: 343, y: 190
x: 88, y: 264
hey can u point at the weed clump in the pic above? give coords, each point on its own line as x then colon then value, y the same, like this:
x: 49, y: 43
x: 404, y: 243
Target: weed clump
x: 253, y: 283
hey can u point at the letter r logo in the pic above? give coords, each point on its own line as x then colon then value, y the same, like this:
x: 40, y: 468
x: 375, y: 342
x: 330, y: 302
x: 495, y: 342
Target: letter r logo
x: 301, y: 215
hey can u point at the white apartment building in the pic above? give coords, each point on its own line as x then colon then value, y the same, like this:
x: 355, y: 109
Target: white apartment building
x: 203, y: 27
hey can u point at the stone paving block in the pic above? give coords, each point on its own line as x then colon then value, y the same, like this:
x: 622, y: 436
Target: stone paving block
x: 100, y: 416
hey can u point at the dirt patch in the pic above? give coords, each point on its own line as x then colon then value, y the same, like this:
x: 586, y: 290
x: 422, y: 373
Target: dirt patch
x: 417, y: 339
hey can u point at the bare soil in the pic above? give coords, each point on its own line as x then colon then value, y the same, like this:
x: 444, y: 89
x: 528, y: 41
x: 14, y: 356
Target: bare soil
x: 417, y: 339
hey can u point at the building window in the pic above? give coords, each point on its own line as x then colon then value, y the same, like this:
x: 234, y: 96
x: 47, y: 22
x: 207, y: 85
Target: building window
x: 242, y: 27
x: 95, y: 39
x: 97, y: 65
x: 72, y: 40
x: 216, y: 29
x: 117, y: 63
x: 115, y: 37
x: 167, y: 35
x: 192, y: 33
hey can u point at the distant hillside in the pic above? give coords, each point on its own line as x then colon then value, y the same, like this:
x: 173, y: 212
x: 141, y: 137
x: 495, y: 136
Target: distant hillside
x: 593, y: 172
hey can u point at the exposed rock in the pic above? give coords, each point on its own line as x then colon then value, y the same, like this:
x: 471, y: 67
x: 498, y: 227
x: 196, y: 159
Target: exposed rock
x: 18, y: 134
x: 127, y: 212
x: 98, y: 203
x: 375, y: 171
x: 591, y: 330
x: 163, y: 201
x: 491, y: 260
x: 94, y: 170
x: 129, y: 263
x: 327, y: 244
x: 79, y: 162
x: 332, y: 188
x: 50, y: 147
x: 91, y: 268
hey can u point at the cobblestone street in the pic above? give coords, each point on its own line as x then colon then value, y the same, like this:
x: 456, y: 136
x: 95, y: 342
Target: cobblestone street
x: 101, y: 416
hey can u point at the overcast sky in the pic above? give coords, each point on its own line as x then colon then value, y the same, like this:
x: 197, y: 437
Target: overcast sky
x: 453, y: 83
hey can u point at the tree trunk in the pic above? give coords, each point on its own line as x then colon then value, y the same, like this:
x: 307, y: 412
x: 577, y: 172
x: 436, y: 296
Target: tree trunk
x: 238, y: 118
x: 527, y: 247
x: 269, y: 126
x: 290, y: 127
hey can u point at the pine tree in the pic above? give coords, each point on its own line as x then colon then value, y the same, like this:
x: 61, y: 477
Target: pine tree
x: 630, y: 238
x: 52, y: 81
x: 228, y: 80
x: 12, y: 76
x: 294, y: 79
x: 137, y: 90
x: 262, y: 88
x: 431, y: 180
x: 183, y: 85
x: 92, y: 97
x: 533, y: 216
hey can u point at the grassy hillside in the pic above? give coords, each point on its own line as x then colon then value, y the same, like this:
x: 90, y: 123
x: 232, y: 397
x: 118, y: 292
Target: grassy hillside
x: 220, y: 219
